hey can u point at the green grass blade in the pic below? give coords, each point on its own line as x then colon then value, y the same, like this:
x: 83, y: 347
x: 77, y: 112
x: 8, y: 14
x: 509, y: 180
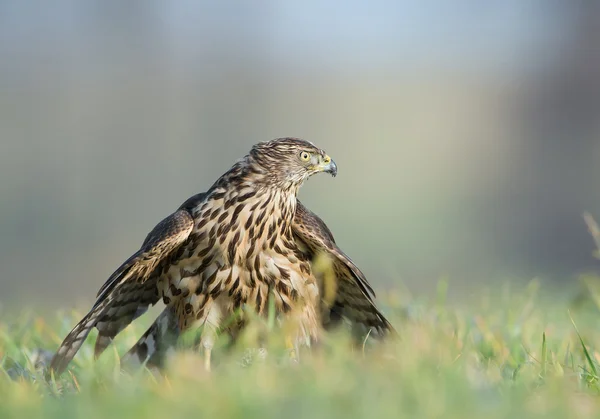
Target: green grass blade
x: 544, y: 354
x: 585, y: 351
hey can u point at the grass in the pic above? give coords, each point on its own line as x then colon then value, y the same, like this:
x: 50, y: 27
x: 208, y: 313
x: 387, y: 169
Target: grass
x: 511, y: 353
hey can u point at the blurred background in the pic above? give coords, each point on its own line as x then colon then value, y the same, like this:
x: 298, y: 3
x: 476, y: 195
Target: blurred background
x: 467, y: 136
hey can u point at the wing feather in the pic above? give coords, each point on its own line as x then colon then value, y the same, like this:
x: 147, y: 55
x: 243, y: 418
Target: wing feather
x: 126, y: 295
x: 168, y: 235
x: 354, y: 295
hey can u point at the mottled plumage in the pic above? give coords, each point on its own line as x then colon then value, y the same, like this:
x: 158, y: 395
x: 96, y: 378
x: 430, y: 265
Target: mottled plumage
x: 231, y: 247
x: 352, y: 295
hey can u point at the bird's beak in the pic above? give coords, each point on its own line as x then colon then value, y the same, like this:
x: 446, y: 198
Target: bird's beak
x: 328, y: 166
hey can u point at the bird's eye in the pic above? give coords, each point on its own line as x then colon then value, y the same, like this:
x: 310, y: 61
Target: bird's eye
x: 304, y: 156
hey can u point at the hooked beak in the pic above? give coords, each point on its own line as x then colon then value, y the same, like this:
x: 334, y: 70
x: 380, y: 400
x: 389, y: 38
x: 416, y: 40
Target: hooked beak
x: 328, y: 166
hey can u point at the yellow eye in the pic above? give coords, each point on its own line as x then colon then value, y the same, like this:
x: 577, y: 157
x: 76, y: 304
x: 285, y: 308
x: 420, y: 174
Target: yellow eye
x: 304, y: 156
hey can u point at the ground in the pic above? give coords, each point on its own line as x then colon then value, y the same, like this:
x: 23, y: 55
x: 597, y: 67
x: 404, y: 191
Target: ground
x: 513, y: 351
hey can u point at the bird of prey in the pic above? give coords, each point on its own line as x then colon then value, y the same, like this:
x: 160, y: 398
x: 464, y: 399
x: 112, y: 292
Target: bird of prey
x: 352, y: 299
x: 246, y: 239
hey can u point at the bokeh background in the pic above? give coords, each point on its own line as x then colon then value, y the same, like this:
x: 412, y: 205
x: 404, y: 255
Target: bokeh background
x: 467, y: 135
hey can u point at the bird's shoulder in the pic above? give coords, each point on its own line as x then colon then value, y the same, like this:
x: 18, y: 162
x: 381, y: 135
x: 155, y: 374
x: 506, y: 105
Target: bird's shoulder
x: 307, y: 223
x: 192, y: 202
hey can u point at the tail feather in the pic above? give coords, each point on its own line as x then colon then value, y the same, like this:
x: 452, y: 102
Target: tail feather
x: 154, y: 345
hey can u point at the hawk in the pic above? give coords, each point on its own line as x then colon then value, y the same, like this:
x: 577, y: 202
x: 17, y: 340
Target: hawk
x: 352, y: 299
x: 246, y: 239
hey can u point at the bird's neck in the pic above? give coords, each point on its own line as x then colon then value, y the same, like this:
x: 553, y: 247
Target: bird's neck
x: 250, y: 172
x: 249, y: 183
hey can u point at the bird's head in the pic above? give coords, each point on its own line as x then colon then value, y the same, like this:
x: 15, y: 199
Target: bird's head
x: 292, y: 160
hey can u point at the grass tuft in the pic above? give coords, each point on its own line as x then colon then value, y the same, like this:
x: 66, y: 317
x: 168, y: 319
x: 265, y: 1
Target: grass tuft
x: 481, y: 359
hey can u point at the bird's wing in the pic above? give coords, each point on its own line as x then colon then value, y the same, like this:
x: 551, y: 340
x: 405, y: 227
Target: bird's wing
x: 129, y: 290
x: 168, y: 235
x: 353, y: 298
x: 133, y: 297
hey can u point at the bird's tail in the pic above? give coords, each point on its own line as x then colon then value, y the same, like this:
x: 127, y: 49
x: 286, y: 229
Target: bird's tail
x: 153, y: 346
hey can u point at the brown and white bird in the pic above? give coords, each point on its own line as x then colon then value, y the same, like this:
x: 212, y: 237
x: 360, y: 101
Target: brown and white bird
x: 246, y: 239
